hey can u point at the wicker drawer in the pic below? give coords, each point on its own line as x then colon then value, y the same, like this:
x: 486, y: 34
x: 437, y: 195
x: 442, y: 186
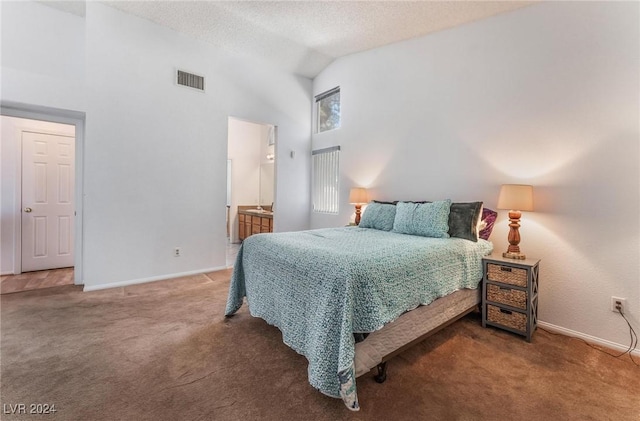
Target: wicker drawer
x: 512, y: 297
x: 507, y: 274
x: 508, y: 318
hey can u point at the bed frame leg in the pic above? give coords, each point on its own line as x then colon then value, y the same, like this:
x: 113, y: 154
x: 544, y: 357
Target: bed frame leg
x: 382, y: 373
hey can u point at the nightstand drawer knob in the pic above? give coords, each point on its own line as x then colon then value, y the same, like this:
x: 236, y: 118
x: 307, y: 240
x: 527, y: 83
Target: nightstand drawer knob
x: 502, y: 310
x: 505, y: 269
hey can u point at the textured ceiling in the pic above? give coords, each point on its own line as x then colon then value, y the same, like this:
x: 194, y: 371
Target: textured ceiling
x: 305, y: 36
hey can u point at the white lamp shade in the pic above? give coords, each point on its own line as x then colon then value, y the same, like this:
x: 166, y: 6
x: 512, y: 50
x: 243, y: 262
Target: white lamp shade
x: 516, y: 197
x: 358, y: 196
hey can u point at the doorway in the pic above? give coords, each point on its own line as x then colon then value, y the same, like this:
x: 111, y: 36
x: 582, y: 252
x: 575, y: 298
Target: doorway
x: 251, y: 181
x: 40, y: 211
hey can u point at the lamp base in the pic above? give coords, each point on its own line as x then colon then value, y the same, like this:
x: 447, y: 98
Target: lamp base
x: 513, y: 251
x: 512, y: 255
x: 358, y: 212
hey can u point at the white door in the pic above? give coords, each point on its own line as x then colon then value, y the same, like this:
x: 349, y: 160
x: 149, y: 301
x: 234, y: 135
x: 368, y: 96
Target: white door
x: 47, y: 201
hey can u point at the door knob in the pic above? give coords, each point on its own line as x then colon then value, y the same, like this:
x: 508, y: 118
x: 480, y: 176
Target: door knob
x: 28, y: 210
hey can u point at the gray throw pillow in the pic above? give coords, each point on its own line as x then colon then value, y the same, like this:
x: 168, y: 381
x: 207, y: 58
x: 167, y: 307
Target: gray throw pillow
x: 463, y: 220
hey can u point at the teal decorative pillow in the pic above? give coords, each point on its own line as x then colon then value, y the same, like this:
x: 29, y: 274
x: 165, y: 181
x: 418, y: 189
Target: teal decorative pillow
x: 379, y: 216
x: 424, y: 219
x: 463, y: 220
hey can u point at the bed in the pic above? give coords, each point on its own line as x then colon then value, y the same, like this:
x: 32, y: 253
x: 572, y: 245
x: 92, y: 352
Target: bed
x: 320, y: 287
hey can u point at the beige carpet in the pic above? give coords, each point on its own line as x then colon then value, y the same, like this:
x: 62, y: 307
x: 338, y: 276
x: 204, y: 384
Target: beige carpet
x: 163, y: 351
x: 36, y: 280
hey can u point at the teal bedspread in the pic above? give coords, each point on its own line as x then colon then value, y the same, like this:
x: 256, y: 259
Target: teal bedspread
x: 320, y: 286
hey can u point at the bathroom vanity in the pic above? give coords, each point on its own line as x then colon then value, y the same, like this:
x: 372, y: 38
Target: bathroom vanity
x: 254, y: 221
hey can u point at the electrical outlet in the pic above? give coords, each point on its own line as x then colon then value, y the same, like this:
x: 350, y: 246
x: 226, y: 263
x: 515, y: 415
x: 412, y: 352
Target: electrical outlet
x: 177, y: 252
x: 618, y: 302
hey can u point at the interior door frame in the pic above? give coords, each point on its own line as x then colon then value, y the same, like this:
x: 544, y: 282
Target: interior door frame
x: 54, y: 115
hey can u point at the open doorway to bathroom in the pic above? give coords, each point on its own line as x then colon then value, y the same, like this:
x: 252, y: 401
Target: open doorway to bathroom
x: 251, y: 181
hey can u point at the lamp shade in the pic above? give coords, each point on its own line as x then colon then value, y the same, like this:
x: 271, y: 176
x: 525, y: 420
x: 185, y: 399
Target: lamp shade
x: 358, y: 195
x: 516, y: 197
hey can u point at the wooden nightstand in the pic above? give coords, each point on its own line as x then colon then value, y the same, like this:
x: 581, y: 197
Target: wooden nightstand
x: 510, y: 294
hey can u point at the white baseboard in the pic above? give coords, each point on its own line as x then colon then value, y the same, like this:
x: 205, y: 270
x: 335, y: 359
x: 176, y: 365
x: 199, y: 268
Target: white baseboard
x: 587, y: 338
x: 88, y: 288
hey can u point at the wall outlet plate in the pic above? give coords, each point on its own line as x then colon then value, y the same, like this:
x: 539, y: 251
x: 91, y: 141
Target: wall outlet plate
x: 177, y: 252
x: 617, y: 300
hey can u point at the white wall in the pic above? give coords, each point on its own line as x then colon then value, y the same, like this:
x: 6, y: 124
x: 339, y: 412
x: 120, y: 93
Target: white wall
x: 42, y: 56
x: 155, y: 153
x: 547, y: 95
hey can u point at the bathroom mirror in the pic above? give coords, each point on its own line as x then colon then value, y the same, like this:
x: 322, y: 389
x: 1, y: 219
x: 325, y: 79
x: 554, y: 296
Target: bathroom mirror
x: 267, y: 173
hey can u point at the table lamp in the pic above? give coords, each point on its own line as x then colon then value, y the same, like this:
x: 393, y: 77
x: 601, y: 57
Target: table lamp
x: 515, y: 198
x: 358, y: 197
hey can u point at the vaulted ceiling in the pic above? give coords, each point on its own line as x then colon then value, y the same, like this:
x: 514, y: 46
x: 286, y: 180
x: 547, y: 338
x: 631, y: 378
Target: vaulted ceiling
x: 305, y: 36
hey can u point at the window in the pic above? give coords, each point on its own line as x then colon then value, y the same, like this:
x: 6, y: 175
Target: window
x: 326, y: 173
x: 328, y: 110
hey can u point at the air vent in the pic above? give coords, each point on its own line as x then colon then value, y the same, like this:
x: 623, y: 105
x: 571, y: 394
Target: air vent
x: 190, y: 80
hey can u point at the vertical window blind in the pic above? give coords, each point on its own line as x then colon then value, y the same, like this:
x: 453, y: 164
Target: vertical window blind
x: 326, y: 174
